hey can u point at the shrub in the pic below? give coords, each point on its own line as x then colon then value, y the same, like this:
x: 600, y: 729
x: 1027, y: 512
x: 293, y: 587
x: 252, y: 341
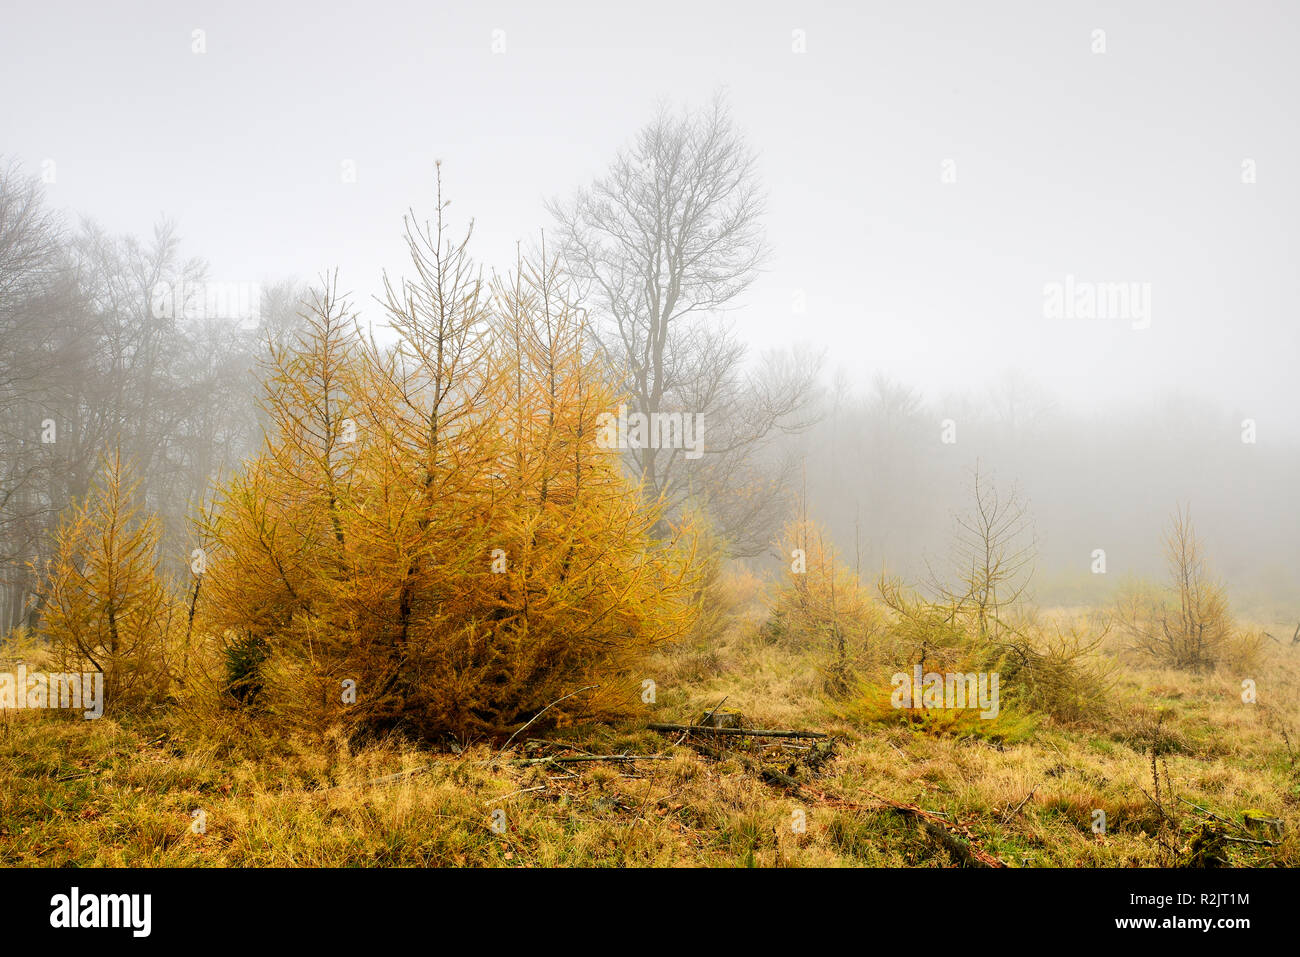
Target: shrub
x: 980, y: 622
x: 1189, y: 625
x: 820, y: 605
x: 435, y: 528
x: 104, y: 605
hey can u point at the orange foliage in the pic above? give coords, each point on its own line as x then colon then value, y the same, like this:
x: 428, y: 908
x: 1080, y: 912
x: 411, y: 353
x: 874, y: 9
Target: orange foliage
x: 432, y: 525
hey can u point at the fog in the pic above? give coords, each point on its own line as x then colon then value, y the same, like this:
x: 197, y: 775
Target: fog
x: 1054, y: 242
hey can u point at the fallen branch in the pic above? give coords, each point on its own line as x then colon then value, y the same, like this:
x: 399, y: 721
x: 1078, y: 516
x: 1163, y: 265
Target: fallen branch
x: 577, y: 758
x: 1016, y: 810
x: 769, y: 775
x: 956, y: 838
x: 1217, y: 817
x: 1249, y: 840
x: 736, y: 732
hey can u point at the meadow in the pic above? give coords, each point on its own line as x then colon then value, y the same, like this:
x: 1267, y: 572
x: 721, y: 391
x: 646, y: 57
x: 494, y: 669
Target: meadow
x: 1186, y: 773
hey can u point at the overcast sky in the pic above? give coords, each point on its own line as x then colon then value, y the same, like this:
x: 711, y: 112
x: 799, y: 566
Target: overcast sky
x: 1122, y: 166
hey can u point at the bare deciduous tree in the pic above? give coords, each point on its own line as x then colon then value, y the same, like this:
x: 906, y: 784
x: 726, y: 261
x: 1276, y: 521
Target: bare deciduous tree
x: 1192, y: 627
x: 90, y: 362
x: 994, y: 550
x: 34, y: 293
x: 665, y: 240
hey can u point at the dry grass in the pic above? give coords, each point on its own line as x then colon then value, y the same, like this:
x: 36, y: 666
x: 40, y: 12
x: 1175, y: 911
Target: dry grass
x: 109, y: 793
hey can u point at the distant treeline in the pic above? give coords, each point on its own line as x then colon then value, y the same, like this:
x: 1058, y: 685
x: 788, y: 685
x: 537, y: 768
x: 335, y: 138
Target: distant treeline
x: 887, y: 470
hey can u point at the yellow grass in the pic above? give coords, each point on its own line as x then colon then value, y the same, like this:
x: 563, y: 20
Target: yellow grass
x: 123, y: 793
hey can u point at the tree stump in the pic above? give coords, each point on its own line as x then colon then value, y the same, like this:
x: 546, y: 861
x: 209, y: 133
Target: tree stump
x: 721, y: 718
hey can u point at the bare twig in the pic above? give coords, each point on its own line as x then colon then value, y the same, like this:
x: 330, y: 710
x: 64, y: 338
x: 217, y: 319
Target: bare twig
x: 1217, y: 817
x: 1249, y: 840
x: 542, y: 712
x: 1016, y: 810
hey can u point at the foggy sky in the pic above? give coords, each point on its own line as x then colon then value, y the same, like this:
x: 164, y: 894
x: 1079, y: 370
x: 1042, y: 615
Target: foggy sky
x: 1117, y: 167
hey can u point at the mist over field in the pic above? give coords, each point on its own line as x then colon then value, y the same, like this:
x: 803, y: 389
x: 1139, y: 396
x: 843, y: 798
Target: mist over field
x: 924, y: 176
x: 383, y: 388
